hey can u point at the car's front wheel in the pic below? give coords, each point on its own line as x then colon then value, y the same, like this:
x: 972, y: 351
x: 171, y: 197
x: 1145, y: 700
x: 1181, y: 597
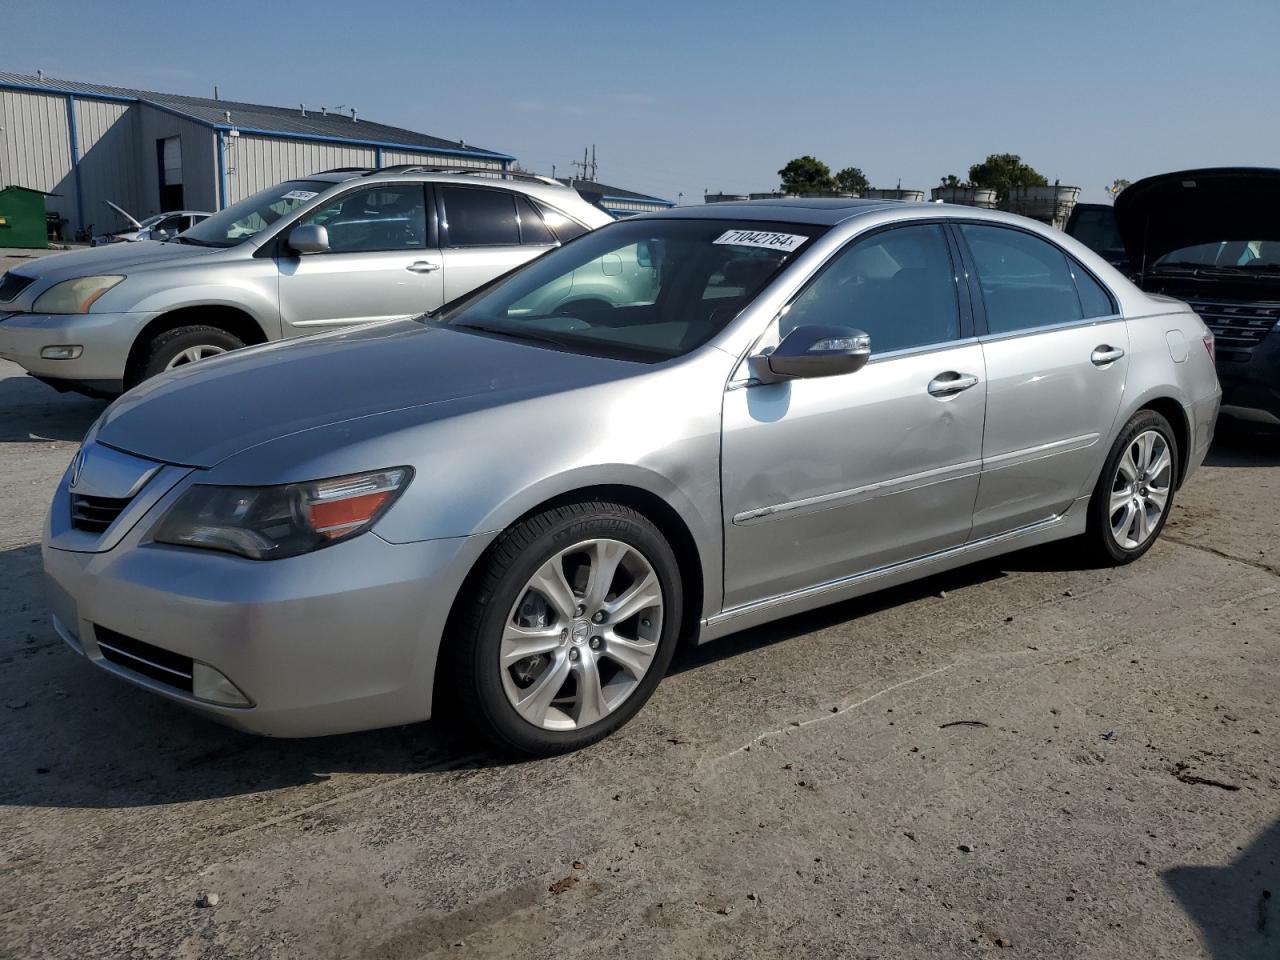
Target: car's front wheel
x: 183, y: 345
x: 1135, y: 491
x: 566, y: 629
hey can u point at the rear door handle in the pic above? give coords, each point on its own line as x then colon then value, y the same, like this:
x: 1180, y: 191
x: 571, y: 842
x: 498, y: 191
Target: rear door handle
x: 423, y: 266
x: 1105, y: 354
x: 950, y: 383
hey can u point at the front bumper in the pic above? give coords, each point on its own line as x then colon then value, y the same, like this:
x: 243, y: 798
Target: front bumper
x: 1251, y: 381
x: 342, y: 639
x: 105, y: 337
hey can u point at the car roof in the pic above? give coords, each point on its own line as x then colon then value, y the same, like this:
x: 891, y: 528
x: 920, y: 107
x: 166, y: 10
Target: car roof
x: 824, y: 211
x: 522, y: 182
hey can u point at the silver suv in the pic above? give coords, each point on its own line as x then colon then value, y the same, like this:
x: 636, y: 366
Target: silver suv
x: 337, y: 248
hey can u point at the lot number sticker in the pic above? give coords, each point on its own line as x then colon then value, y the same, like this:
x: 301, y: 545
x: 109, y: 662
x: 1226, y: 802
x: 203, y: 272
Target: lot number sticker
x: 759, y: 238
x: 303, y: 195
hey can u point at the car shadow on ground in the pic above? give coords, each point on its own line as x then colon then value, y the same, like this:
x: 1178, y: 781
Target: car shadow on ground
x: 81, y: 738
x: 1237, y: 907
x: 1237, y: 443
x: 31, y: 411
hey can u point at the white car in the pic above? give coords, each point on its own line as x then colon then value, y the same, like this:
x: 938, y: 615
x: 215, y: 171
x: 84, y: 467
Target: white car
x: 158, y: 226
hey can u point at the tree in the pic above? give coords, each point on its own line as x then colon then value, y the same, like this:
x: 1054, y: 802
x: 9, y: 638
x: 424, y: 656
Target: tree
x: 806, y: 175
x: 953, y: 182
x: 1117, y: 185
x: 852, y: 180
x: 1003, y: 171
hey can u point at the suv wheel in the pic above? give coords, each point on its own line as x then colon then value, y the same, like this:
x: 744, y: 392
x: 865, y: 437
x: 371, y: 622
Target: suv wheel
x: 183, y: 345
x: 568, y: 628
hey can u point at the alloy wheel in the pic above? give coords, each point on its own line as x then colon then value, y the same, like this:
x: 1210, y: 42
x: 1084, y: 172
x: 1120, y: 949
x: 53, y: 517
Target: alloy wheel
x: 581, y: 635
x: 1140, y: 489
x: 192, y: 354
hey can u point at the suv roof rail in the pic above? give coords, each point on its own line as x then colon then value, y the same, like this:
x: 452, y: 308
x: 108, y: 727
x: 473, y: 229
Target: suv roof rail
x: 469, y: 171
x: 347, y: 170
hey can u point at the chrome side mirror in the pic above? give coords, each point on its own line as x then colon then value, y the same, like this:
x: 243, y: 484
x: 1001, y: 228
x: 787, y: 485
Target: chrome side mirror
x: 813, y: 352
x: 309, y: 238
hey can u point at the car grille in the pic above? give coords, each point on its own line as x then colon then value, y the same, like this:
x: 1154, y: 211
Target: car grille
x: 1237, y: 326
x: 95, y: 514
x: 163, y: 666
x: 11, y: 284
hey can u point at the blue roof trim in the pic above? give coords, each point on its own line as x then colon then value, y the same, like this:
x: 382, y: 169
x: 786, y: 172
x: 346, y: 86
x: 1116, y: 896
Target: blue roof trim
x: 321, y: 138
x: 63, y: 92
x: 284, y: 134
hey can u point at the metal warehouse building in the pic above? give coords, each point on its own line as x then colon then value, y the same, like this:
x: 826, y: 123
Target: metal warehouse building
x: 150, y: 152
x: 615, y: 200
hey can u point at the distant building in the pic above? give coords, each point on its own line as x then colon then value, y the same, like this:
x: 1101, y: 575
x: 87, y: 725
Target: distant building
x: 149, y: 152
x: 615, y: 200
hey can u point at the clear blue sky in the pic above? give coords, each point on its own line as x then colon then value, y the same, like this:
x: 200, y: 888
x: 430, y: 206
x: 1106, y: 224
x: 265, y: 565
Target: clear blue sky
x: 689, y: 96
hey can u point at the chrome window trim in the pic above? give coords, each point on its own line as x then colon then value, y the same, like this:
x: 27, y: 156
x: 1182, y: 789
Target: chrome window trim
x: 1048, y: 328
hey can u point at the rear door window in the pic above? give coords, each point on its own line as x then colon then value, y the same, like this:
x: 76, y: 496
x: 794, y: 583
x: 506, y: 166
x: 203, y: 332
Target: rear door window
x: 1026, y: 282
x: 476, y: 217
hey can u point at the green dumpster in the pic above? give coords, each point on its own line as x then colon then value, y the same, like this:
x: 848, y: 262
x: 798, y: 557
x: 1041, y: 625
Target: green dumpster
x: 22, y: 218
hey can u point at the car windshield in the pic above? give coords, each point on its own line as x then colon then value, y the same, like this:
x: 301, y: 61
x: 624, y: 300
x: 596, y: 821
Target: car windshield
x: 152, y: 220
x: 250, y: 216
x: 638, y: 289
x: 1251, y: 255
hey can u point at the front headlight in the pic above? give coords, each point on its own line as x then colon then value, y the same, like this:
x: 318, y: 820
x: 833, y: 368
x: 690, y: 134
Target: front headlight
x: 269, y: 523
x: 73, y: 296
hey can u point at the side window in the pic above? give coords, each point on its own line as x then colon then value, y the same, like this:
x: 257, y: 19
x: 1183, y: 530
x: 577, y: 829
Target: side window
x: 532, y: 229
x: 385, y: 217
x: 898, y: 286
x: 1025, y: 281
x: 564, y: 228
x: 475, y: 217
x: 1094, y: 297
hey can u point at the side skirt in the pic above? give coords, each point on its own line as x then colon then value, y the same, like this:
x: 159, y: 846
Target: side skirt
x: 1069, y: 524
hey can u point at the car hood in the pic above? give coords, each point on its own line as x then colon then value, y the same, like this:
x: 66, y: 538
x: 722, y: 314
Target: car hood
x: 1161, y: 214
x: 109, y: 259
x: 200, y: 415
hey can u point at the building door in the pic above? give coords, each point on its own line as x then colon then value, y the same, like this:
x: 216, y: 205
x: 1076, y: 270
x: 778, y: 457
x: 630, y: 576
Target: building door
x: 169, y: 165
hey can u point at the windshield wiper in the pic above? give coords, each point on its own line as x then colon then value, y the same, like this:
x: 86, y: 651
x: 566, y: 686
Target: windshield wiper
x: 537, y: 336
x: 194, y: 243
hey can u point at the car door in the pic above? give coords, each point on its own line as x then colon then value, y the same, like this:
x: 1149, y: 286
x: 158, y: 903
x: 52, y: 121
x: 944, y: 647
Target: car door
x: 380, y: 263
x: 827, y: 478
x: 486, y: 231
x: 1055, y: 352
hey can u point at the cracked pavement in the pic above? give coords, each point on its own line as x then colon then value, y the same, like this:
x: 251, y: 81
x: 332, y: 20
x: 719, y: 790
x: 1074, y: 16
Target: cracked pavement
x: 1010, y: 758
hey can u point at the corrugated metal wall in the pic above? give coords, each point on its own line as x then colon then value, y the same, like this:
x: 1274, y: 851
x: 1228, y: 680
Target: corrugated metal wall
x: 255, y: 163
x: 393, y: 157
x: 199, y: 160
x: 35, y: 147
x: 109, y: 146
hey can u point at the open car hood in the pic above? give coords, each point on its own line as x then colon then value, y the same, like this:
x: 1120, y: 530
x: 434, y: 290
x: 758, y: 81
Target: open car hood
x: 1164, y: 213
x: 124, y: 213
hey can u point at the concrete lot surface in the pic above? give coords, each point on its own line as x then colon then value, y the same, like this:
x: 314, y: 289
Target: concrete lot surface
x: 1025, y: 758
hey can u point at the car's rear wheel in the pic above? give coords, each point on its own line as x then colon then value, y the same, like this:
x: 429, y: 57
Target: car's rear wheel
x: 567, y: 628
x: 1134, y: 494
x: 184, y: 345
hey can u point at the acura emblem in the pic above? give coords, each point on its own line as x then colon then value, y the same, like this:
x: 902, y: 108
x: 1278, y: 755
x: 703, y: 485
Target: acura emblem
x: 76, y: 465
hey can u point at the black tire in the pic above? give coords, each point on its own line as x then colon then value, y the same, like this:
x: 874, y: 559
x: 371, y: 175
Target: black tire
x: 1099, y: 541
x: 469, y: 677
x: 173, y: 343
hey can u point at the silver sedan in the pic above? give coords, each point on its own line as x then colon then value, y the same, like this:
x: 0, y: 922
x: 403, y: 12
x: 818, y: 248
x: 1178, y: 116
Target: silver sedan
x: 511, y: 511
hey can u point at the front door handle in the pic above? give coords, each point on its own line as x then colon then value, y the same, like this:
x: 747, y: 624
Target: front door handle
x: 1105, y: 354
x: 950, y: 383
x: 423, y: 266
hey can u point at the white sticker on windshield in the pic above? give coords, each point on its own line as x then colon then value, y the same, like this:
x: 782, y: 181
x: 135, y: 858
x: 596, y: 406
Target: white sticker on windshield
x: 759, y: 238
x: 303, y: 195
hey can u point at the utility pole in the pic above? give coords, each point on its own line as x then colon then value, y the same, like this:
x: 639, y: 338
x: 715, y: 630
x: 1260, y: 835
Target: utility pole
x: 587, y: 165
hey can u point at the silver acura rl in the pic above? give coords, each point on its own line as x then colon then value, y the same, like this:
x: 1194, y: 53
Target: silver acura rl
x: 675, y: 427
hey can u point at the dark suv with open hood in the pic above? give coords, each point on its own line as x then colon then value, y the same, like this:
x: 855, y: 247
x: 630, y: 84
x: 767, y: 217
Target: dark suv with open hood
x: 1212, y: 238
